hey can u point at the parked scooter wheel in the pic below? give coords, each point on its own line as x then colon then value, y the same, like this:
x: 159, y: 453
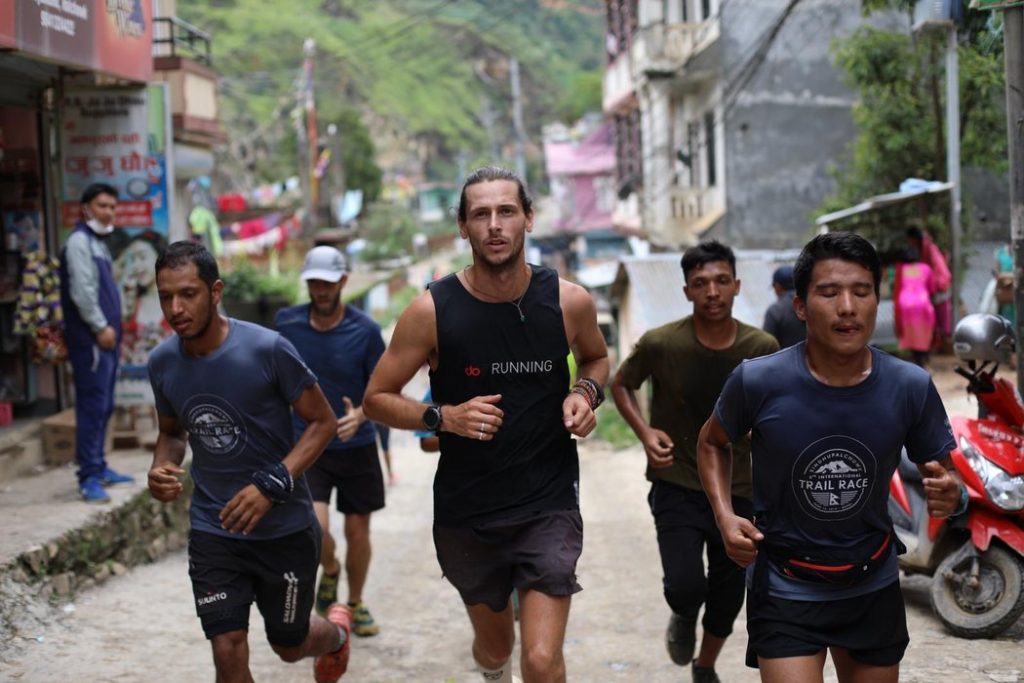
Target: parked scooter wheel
x: 982, y: 608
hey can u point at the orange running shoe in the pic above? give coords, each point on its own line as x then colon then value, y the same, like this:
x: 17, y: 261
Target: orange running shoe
x: 331, y: 666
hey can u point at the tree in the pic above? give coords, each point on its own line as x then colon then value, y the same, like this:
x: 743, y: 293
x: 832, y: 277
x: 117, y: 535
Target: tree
x: 358, y: 155
x: 388, y: 229
x: 583, y: 94
x: 899, y: 78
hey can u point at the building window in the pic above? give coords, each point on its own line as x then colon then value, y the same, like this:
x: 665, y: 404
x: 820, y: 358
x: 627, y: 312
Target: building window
x: 705, y: 9
x: 709, y: 142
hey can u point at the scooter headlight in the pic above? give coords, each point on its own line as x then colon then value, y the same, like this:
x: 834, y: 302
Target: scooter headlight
x: 1005, y: 491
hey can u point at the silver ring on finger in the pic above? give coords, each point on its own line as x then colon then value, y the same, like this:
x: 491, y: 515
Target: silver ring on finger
x: 482, y: 425
x: 481, y: 437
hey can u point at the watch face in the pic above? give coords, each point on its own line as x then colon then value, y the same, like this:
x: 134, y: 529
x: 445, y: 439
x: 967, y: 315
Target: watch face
x: 431, y: 418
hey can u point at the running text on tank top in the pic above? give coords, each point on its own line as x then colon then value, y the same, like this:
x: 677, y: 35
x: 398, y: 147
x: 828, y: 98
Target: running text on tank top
x: 488, y: 348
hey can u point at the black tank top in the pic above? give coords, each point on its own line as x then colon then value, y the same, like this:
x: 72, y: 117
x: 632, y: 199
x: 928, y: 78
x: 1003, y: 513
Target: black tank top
x: 485, y: 348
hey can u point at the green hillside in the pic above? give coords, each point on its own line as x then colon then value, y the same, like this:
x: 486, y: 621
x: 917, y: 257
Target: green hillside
x: 415, y: 70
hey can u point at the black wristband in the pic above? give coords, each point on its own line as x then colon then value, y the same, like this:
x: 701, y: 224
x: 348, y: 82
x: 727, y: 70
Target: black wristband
x: 275, y: 482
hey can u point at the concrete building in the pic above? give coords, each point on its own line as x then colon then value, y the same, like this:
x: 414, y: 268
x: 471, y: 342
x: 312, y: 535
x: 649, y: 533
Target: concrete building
x: 580, y: 165
x: 182, y: 59
x: 50, y: 53
x: 728, y: 115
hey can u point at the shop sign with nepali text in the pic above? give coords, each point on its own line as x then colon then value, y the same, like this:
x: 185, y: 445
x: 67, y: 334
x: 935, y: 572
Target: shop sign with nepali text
x: 111, y: 36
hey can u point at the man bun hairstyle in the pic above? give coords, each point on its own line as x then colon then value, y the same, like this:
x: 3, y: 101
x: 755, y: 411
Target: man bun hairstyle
x: 489, y: 173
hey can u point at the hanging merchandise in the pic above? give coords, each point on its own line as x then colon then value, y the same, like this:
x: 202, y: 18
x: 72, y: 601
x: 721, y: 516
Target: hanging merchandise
x: 39, y: 313
x: 231, y: 203
x: 205, y: 226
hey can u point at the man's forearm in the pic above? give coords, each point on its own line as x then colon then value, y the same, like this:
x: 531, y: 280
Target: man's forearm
x: 714, y: 464
x: 309, y: 446
x: 170, y: 450
x: 395, y: 410
x: 625, y: 401
x: 595, y: 369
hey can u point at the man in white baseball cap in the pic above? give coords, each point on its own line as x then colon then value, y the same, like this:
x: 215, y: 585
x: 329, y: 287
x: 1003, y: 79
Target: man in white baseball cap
x: 341, y: 345
x: 324, y: 263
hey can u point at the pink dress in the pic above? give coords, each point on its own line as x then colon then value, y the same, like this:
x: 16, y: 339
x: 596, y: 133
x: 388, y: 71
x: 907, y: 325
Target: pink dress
x: 915, y: 314
x: 941, y: 284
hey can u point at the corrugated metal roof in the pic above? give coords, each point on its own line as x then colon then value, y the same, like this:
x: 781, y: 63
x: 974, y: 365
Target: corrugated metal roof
x: 880, y: 202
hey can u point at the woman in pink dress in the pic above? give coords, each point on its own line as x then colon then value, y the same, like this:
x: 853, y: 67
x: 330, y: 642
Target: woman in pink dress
x: 940, y: 284
x: 912, y: 305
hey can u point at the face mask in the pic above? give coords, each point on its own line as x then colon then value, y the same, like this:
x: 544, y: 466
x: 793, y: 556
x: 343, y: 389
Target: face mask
x: 100, y: 228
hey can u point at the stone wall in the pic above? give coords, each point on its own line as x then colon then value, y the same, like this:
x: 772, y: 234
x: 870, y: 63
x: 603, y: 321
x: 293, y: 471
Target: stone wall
x: 142, y: 530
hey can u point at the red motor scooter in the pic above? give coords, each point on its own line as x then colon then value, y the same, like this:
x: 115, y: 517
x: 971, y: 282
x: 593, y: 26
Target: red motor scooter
x: 976, y: 559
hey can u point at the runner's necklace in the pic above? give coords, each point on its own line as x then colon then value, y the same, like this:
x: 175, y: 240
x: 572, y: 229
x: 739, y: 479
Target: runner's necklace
x: 522, y: 316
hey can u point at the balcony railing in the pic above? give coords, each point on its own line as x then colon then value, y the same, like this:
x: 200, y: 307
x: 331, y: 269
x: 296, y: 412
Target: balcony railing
x: 693, y: 210
x: 174, y: 37
x: 665, y: 48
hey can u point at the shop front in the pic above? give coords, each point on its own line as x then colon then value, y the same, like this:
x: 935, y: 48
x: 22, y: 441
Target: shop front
x: 50, y: 50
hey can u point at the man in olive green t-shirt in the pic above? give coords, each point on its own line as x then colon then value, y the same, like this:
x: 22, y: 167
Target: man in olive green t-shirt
x: 687, y: 363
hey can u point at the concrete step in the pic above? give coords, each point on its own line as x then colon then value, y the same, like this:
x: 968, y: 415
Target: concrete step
x: 20, y: 449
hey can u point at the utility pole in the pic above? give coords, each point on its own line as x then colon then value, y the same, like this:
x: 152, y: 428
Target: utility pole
x: 312, y: 139
x: 1013, y: 48
x: 487, y: 114
x: 953, y: 160
x: 335, y: 175
x: 517, y: 120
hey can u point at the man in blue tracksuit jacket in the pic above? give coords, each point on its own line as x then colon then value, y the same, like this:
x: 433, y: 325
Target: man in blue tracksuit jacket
x: 92, y: 327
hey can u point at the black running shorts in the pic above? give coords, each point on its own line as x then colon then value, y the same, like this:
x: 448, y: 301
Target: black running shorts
x: 279, y: 574
x: 529, y: 551
x: 872, y: 627
x: 357, y: 475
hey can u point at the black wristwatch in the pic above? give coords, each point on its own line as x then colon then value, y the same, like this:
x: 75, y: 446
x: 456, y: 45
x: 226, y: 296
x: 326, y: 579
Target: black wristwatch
x: 432, y: 418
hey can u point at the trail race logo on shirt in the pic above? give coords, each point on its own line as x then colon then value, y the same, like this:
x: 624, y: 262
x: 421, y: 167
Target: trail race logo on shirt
x: 214, y: 423
x: 833, y: 477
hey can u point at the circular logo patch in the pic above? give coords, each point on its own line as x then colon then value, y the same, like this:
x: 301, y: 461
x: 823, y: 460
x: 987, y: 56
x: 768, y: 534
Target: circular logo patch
x: 833, y: 477
x: 215, y: 424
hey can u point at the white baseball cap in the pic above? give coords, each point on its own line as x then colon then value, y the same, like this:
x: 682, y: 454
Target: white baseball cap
x: 323, y: 263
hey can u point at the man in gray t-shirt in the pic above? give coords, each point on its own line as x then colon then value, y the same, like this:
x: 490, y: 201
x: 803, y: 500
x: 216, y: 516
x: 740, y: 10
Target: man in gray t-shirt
x: 828, y: 418
x: 228, y: 387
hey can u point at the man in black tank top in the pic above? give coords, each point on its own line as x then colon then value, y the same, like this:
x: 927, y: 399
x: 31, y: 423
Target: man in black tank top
x: 506, y: 494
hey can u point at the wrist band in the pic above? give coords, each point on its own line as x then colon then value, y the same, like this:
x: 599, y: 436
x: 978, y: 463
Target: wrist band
x: 965, y: 498
x: 590, y: 390
x: 275, y: 483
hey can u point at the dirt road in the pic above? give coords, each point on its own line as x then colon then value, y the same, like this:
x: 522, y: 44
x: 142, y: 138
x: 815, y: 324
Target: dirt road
x: 141, y: 627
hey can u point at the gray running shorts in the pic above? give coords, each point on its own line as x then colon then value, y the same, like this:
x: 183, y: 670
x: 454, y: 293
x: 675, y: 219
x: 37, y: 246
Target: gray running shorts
x: 527, y: 551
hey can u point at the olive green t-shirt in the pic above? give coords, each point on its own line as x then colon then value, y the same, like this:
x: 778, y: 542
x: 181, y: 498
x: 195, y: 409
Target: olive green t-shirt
x: 686, y: 378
